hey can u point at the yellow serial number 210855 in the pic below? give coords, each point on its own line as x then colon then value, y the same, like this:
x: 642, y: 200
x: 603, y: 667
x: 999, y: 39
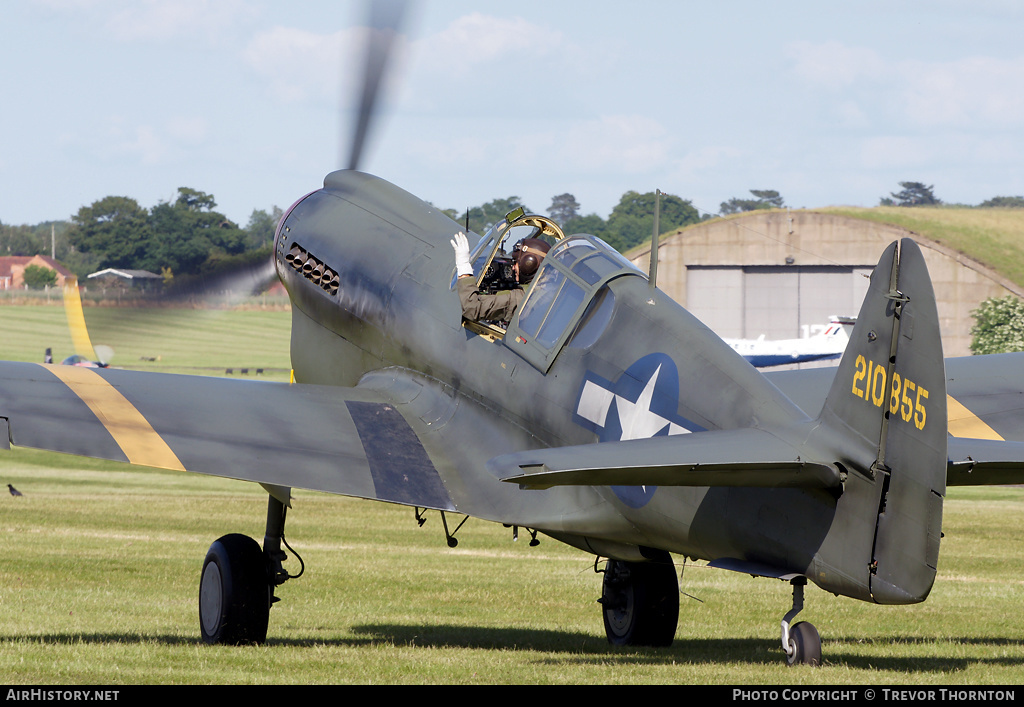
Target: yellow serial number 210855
x: 905, y: 397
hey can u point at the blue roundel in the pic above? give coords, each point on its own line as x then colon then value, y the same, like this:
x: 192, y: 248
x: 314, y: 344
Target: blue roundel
x: 642, y: 403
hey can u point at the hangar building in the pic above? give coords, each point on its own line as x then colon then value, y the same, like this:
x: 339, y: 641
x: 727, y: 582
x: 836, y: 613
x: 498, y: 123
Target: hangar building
x: 783, y: 274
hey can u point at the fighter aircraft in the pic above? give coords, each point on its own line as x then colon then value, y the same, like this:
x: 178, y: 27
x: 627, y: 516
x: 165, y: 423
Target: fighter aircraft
x: 604, y: 416
x: 826, y: 345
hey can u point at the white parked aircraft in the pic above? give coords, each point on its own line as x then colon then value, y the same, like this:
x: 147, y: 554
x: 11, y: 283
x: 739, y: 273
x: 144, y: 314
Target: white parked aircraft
x: 829, y: 344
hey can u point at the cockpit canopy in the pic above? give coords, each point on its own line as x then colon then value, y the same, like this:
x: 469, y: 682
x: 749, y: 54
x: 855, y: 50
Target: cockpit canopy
x: 567, y: 287
x: 566, y: 295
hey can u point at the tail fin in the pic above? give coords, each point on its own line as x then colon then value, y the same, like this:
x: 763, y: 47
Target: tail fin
x: 840, y: 327
x: 886, y: 418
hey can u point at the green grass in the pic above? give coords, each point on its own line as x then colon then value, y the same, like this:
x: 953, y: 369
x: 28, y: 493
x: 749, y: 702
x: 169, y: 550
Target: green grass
x: 993, y: 237
x: 198, y: 341
x: 100, y: 571
x: 100, y: 562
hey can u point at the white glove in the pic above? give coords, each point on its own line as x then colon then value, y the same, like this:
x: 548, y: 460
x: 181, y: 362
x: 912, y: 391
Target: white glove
x: 461, y: 246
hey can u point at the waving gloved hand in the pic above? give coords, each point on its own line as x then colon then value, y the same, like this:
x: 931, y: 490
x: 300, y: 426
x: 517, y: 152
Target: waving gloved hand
x: 461, y: 246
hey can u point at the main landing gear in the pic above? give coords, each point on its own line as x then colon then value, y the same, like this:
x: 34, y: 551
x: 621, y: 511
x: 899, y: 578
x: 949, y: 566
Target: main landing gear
x: 236, y: 589
x: 640, y: 602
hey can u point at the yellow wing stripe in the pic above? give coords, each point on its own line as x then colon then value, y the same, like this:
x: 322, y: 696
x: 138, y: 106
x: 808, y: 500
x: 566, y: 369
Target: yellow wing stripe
x: 964, y: 423
x: 132, y: 432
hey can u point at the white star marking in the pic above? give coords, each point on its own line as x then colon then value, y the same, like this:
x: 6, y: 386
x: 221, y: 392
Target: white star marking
x: 637, y: 419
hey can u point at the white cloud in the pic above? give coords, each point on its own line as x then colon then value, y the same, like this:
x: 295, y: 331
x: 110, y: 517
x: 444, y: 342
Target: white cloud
x: 159, y: 20
x: 68, y: 4
x: 699, y: 167
x: 708, y: 157
x: 887, y: 152
x: 486, y: 60
x: 968, y: 92
x: 851, y: 115
x: 300, y: 64
x: 623, y: 143
x: 948, y: 150
x: 188, y: 130
x: 614, y: 143
x: 143, y: 144
x: 833, y: 65
x: 468, y: 151
x: 150, y: 144
x: 475, y: 39
x: 972, y: 92
x: 553, y: 158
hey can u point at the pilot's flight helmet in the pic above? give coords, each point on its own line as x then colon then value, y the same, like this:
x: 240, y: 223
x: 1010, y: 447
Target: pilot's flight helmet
x: 529, y: 252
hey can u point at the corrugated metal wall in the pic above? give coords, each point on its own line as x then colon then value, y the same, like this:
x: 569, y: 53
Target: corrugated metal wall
x: 781, y: 302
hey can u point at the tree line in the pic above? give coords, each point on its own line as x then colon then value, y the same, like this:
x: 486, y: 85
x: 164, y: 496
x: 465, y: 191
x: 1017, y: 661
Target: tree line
x: 188, y: 237
x: 630, y: 223
x: 183, y: 238
x: 920, y: 194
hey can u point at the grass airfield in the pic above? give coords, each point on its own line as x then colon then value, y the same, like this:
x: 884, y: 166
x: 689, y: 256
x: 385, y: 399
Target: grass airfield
x: 168, y: 340
x: 100, y: 563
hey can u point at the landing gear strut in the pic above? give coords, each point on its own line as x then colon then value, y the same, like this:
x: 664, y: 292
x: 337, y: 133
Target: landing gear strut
x: 640, y: 602
x: 236, y: 589
x: 800, y: 641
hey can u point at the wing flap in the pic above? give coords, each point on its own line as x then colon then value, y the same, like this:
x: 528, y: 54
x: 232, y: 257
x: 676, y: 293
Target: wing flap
x: 744, y: 458
x: 348, y: 441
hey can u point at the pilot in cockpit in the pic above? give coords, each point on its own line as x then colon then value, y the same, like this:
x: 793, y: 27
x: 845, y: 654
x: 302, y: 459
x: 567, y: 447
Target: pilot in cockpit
x: 498, y: 306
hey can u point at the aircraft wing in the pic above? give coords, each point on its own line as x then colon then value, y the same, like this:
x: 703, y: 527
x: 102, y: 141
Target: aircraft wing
x: 340, y: 440
x: 745, y: 457
x: 984, y: 462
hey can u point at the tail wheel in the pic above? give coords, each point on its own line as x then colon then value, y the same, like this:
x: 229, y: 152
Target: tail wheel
x: 640, y: 603
x: 234, y: 592
x: 805, y: 644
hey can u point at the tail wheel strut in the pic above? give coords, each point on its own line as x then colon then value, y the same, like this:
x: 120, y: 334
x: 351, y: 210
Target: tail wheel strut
x: 800, y: 641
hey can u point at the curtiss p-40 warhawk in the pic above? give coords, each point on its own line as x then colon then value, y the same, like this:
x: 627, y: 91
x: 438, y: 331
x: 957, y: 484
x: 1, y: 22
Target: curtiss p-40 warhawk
x: 602, y: 414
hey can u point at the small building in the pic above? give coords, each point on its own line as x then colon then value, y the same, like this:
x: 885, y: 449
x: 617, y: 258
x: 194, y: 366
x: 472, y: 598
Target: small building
x: 118, y: 277
x: 12, y: 270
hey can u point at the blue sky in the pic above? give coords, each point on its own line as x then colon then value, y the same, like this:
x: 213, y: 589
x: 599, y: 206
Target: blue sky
x: 251, y: 101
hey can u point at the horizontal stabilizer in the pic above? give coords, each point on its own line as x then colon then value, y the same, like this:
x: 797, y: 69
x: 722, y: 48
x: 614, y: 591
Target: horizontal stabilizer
x: 982, y: 462
x: 745, y: 457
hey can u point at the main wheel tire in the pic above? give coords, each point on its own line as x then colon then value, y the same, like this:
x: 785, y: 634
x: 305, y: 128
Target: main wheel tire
x: 805, y: 644
x: 234, y: 592
x: 640, y: 603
